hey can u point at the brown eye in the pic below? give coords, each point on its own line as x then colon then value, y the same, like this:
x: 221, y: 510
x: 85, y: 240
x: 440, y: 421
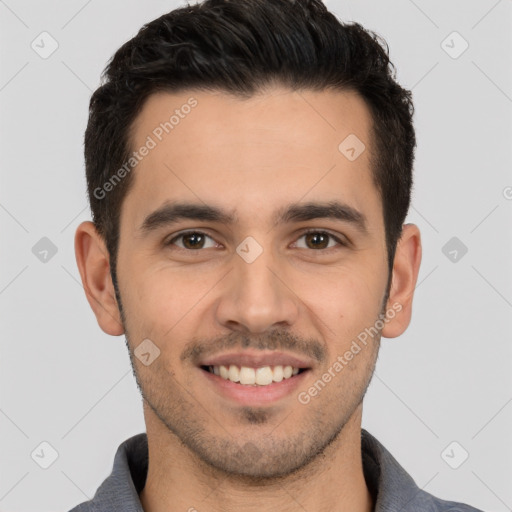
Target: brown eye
x: 191, y: 240
x: 319, y: 240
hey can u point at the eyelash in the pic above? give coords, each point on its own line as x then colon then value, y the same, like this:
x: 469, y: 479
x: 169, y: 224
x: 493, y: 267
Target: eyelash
x: 307, y: 232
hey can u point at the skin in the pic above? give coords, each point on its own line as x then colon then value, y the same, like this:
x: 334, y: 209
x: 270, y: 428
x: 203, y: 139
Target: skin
x: 299, y: 295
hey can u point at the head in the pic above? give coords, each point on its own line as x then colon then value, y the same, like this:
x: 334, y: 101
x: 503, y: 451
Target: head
x: 268, y: 118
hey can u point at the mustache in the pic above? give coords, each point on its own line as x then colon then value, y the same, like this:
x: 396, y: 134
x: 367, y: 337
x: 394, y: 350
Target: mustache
x: 272, y: 340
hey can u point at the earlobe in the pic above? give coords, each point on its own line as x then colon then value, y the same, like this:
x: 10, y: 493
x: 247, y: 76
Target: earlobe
x: 406, y: 267
x: 94, y: 267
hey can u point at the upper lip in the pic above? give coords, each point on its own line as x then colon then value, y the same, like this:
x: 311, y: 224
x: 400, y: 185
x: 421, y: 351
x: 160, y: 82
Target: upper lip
x: 256, y: 359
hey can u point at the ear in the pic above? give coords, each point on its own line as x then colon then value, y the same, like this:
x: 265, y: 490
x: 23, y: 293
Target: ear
x: 93, y: 263
x: 406, y: 267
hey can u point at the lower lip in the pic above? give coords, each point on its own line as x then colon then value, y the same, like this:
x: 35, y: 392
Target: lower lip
x: 255, y: 395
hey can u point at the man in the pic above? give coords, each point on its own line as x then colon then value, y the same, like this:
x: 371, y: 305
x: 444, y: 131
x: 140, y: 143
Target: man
x: 249, y: 169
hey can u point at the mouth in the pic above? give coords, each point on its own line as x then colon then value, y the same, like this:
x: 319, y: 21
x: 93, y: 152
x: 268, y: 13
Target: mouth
x: 253, y: 386
x: 254, y: 377
x: 248, y: 376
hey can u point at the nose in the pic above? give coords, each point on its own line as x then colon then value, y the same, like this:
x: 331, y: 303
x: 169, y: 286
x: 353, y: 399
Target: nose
x: 257, y: 296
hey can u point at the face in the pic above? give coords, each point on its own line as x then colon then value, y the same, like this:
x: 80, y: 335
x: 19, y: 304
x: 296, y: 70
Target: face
x: 253, y: 271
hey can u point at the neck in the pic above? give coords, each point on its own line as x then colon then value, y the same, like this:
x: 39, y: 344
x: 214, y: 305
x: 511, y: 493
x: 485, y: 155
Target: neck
x: 178, y: 480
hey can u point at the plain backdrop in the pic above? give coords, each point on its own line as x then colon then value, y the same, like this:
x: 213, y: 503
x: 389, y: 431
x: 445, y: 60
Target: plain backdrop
x: 441, y: 398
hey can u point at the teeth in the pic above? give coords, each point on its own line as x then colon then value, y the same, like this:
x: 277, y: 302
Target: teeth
x: 247, y: 375
x: 254, y: 376
x: 234, y: 373
x: 278, y: 374
x: 224, y: 372
x: 264, y: 376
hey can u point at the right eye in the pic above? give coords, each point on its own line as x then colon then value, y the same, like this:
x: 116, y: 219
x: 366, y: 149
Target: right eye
x: 192, y: 240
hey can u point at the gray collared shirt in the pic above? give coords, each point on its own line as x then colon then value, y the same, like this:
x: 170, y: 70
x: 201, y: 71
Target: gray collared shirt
x: 392, y: 487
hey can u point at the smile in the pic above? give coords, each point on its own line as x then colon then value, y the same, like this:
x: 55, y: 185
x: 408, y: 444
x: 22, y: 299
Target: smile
x: 262, y: 376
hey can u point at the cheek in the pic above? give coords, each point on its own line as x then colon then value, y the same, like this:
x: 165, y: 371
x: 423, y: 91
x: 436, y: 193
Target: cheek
x: 161, y: 302
x: 344, y: 305
x: 347, y: 291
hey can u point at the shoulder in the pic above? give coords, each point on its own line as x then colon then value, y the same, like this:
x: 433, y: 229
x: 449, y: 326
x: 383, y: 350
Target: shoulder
x: 120, y: 490
x: 393, y: 488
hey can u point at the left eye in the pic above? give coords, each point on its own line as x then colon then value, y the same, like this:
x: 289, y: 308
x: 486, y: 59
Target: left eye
x: 319, y: 238
x: 193, y: 240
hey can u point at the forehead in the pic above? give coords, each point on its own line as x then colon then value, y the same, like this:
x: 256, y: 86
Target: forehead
x: 278, y: 146
x: 314, y: 119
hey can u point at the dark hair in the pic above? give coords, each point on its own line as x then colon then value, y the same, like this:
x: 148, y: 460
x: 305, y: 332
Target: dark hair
x: 241, y: 47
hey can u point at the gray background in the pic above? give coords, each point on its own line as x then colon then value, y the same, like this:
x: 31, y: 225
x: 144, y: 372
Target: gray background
x: 448, y: 378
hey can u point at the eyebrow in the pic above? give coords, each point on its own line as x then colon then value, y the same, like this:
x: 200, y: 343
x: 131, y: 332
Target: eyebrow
x: 172, y: 212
